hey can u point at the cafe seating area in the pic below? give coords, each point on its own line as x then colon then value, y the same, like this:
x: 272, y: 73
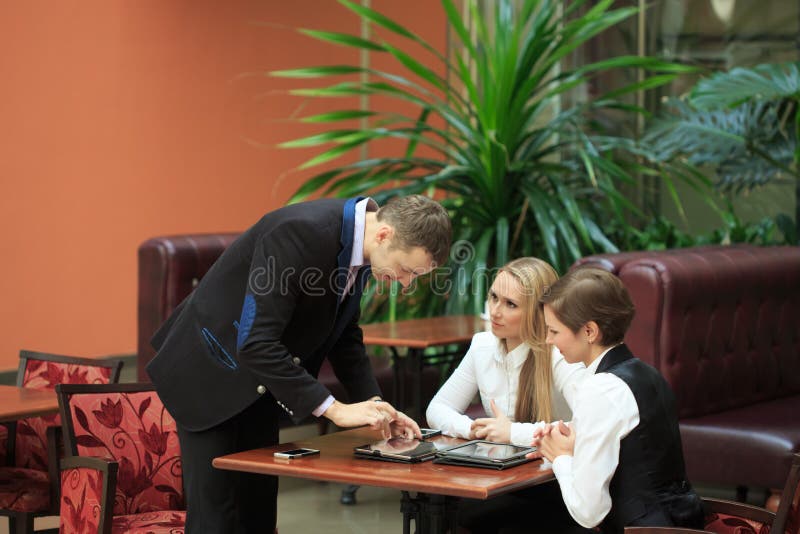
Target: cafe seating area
x: 719, y: 323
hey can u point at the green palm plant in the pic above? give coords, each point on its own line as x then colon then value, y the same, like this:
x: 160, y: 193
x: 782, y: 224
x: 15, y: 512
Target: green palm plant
x: 521, y: 173
x: 742, y: 125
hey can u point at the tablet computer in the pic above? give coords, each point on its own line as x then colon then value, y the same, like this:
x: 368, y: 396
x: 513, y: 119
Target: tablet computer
x: 481, y: 453
x: 401, y: 450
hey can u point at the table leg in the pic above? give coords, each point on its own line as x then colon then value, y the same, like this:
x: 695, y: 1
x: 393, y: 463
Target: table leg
x: 399, y: 380
x: 410, y: 511
x: 349, y: 494
x: 415, y: 366
x: 432, y: 514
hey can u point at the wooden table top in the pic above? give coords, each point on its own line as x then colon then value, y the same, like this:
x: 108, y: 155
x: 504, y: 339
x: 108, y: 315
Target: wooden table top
x: 423, y: 333
x: 18, y: 403
x: 336, y: 463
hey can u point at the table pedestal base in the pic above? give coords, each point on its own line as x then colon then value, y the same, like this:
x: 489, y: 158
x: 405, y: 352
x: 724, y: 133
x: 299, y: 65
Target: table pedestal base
x: 432, y: 514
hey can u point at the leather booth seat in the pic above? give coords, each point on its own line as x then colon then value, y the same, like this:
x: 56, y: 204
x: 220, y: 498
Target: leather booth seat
x: 722, y: 325
x: 169, y: 269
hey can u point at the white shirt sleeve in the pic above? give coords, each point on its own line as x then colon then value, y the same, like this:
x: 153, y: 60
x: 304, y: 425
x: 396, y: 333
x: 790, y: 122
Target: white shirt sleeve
x: 446, y: 410
x: 605, y: 411
x: 522, y: 433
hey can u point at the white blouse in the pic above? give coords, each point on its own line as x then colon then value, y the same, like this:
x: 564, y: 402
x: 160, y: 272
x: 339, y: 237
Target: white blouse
x: 487, y: 370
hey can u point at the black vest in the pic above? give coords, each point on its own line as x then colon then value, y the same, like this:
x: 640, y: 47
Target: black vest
x: 649, y: 486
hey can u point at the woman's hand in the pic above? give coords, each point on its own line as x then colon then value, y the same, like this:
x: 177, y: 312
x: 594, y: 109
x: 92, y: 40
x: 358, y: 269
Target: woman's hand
x: 560, y: 440
x: 497, y: 428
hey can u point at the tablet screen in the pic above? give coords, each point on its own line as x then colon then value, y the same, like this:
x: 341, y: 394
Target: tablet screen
x: 403, y: 448
x: 488, y: 450
x: 408, y: 447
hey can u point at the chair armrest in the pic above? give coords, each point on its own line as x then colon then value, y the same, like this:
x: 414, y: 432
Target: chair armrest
x: 738, y: 509
x: 664, y: 530
x: 87, y: 480
x: 91, y: 463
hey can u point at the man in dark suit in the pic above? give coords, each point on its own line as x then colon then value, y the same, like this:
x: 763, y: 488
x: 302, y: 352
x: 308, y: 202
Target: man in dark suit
x: 250, y: 339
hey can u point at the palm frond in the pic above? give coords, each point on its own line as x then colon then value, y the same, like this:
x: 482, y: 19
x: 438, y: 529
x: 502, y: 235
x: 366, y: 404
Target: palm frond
x: 497, y: 139
x: 763, y: 82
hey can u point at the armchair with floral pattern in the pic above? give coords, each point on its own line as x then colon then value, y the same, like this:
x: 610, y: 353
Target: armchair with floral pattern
x: 29, y: 476
x: 128, y: 429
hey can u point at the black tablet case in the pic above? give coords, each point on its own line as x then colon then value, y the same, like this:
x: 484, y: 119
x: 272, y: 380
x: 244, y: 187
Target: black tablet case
x: 443, y: 457
x: 397, y: 457
x: 477, y: 462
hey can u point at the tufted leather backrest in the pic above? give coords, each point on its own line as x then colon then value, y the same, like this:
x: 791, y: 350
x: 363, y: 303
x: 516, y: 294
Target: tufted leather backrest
x: 169, y: 268
x: 720, y: 323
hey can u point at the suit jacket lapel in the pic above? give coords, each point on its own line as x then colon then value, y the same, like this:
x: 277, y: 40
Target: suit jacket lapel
x: 346, y: 240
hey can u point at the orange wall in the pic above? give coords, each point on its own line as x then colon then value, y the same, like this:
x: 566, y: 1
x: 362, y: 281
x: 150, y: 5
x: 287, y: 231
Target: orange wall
x: 124, y: 119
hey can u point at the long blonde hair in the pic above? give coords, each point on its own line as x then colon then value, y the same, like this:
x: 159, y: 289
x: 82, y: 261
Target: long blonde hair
x: 536, y: 376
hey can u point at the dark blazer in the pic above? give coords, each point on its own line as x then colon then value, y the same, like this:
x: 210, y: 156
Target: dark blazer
x: 264, y: 317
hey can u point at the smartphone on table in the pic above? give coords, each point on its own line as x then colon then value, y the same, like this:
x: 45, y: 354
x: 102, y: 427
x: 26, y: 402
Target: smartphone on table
x: 429, y: 432
x: 296, y: 453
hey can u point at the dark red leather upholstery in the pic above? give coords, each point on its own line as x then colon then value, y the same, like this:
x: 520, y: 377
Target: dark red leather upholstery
x: 171, y: 266
x: 722, y: 324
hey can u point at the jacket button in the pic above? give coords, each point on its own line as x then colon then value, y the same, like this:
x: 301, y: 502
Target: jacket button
x: 296, y: 360
x: 261, y: 390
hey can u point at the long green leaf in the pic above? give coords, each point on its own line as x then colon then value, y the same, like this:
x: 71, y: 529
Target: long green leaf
x: 389, y: 24
x: 412, y: 144
x: 343, y: 39
x: 547, y: 228
x: 333, y: 153
x: 336, y: 116
x: 331, y: 136
x: 317, y: 72
x: 415, y: 66
x: 313, y: 185
x: 648, y: 83
x: 454, y: 17
x: 502, y: 233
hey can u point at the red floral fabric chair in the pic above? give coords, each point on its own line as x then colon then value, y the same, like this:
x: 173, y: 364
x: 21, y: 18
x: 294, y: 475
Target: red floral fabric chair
x: 727, y: 517
x: 127, y: 428
x: 29, y: 476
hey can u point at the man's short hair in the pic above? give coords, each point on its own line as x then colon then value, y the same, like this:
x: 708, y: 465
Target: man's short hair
x: 419, y: 221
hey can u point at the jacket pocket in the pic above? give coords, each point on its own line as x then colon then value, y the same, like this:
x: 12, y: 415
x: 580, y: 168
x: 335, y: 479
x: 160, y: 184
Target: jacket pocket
x: 217, y: 351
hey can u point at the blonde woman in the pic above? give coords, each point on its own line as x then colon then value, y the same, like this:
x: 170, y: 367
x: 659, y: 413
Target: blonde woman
x: 518, y: 376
